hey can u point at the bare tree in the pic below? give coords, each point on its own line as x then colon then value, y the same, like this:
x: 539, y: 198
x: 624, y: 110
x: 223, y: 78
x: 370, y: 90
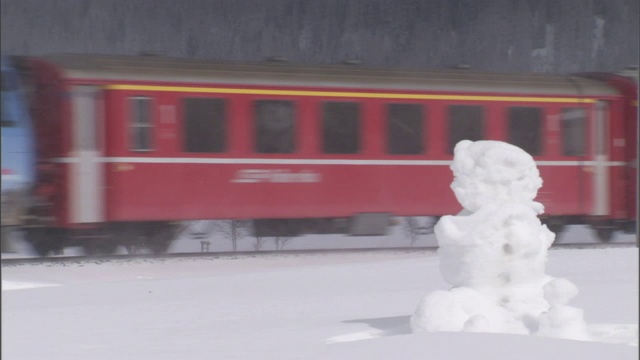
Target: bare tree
x: 413, y: 228
x: 410, y: 229
x: 260, y: 241
x: 232, y: 230
x: 282, y: 241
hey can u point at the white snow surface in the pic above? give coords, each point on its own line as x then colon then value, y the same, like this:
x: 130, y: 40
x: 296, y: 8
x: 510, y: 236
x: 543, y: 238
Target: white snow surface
x: 288, y: 306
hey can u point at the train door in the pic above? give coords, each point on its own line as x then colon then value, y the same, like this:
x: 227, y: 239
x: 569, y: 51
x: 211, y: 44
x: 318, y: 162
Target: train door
x: 87, y: 173
x: 600, y: 157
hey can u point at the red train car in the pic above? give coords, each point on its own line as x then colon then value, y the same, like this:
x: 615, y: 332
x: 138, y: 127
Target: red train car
x: 131, y: 146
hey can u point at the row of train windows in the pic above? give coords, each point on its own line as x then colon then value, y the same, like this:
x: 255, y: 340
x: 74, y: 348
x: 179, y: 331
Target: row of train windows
x: 206, y: 126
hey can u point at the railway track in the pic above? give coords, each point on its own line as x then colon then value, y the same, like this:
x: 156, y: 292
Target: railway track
x: 206, y: 255
x: 249, y: 254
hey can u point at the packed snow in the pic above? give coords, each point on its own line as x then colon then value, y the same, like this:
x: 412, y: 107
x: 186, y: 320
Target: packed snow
x: 494, y: 252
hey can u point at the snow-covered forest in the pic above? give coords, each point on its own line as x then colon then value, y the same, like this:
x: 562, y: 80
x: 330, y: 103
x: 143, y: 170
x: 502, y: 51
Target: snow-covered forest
x: 497, y: 35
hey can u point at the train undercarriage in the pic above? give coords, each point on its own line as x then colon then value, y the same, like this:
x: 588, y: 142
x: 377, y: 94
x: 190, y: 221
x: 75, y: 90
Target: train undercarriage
x: 157, y: 236
x: 604, y: 228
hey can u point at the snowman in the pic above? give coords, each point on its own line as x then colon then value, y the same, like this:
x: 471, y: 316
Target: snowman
x: 493, y: 253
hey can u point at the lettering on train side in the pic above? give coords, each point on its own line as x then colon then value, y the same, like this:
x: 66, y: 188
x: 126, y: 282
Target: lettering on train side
x: 276, y: 176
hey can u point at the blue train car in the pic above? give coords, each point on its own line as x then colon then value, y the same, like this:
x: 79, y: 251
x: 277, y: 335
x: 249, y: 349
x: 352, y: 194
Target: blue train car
x: 18, y: 151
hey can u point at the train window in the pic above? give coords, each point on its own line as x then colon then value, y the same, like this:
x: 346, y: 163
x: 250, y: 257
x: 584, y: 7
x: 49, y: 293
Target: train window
x: 8, y: 115
x: 10, y: 98
x: 466, y: 122
x: 341, y: 127
x: 140, y: 124
x: 84, y: 114
x: 405, y: 129
x: 10, y: 81
x: 525, y: 128
x: 204, y: 126
x: 274, y: 126
x: 573, y: 125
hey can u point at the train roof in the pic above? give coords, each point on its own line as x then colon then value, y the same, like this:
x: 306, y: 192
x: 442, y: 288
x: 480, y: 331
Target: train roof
x: 270, y: 73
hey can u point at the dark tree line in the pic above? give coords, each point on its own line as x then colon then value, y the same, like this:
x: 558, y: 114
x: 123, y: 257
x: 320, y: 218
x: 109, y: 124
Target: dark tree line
x: 503, y: 35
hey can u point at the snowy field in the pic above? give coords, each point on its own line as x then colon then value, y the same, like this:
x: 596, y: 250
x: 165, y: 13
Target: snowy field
x: 337, y: 306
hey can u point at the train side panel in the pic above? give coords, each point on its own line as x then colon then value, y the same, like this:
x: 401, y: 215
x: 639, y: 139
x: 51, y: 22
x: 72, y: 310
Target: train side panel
x: 140, y: 149
x: 241, y: 183
x: 245, y: 184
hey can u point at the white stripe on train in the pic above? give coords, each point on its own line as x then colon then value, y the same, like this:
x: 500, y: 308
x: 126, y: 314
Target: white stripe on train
x: 254, y: 161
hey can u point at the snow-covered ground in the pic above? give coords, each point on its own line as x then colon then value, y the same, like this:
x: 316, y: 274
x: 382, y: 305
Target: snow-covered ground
x: 289, y: 306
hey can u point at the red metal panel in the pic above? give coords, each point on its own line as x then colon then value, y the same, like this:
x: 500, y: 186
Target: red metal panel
x: 566, y: 190
x: 438, y: 141
x: 197, y: 191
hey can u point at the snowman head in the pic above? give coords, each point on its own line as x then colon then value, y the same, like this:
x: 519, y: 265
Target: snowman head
x: 487, y: 172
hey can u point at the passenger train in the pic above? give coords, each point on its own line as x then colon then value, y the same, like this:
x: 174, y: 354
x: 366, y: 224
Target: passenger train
x: 128, y: 148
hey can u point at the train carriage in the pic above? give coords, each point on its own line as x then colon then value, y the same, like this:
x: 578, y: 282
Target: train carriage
x: 129, y: 147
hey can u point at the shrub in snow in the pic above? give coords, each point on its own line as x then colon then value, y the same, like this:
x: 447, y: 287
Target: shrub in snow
x: 493, y: 252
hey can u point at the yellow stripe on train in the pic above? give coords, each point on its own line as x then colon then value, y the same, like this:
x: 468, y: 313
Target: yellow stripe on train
x: 346, y: 94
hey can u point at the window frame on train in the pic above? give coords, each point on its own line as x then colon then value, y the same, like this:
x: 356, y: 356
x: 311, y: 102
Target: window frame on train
x: 10, y: 86
x: 204, y: 125
x: 137, y: 128
x: 341, y: 127
x: 274, y: 126
x: 405, y: 130
x: 460, y: 118
x: 573, y: 128
x: 524, y: 128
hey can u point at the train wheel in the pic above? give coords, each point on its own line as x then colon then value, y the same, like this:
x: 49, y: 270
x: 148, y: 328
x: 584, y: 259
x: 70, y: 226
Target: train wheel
x: 40, y: 241
x: 604, y: 229
x: 157, y: 247
x: 7, y: 240
x: 129, y: 235
x: 100, y: 247
x: 41, y: 248
x: 98, y: 241
x: 161, y: 238
x: 605, y: 233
